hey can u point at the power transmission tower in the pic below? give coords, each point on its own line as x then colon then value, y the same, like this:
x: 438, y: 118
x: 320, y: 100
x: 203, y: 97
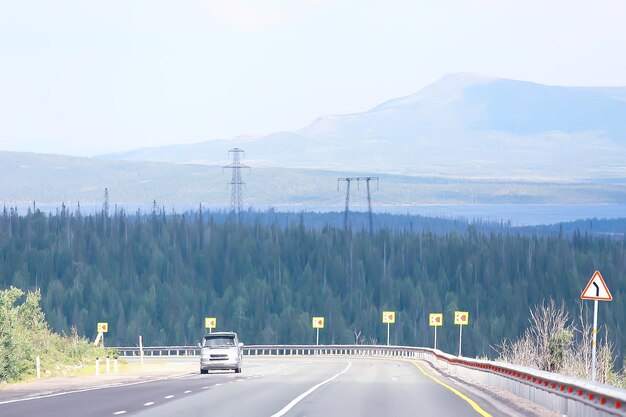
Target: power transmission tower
x: 348, y: 181
x: 236, y: 183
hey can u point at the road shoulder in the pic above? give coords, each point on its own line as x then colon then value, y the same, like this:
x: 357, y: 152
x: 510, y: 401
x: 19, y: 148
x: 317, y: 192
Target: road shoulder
x: 500, y: 400
x: 135, y: 373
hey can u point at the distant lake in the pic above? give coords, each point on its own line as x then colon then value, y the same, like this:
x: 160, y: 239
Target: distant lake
x: 518, y: 214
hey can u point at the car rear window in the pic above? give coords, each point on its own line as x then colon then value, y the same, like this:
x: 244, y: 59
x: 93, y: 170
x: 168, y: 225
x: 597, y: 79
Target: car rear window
x: 219, y: 341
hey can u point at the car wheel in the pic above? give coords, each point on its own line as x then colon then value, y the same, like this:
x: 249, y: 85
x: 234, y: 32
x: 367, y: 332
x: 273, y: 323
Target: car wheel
x: 238, y: 370
x: 204, y: 371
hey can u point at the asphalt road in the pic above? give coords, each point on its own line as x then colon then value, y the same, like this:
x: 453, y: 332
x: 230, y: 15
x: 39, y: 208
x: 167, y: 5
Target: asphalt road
x: 273, y: 387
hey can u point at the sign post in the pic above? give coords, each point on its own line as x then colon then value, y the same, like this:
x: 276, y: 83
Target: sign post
x: 318, y: 323
x: 141, y: 348
x: 461, y: 318
x: 435, y: 320
x: 210, y: 323
x: 102, y: 329
x: 389, y: 317
x: 595, y: 290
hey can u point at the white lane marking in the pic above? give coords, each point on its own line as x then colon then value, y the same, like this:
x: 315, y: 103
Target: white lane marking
x: 148, y: 403
x: 117, y: 413
x: 306, y: 393
x: 187, y: 392
x: 205, y: 387
x: 167, y: 397
x: 217, y: 385
x: 116, y: 385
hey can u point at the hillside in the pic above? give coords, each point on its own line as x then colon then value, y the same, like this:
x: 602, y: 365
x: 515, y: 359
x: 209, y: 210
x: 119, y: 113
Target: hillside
x: 160, y: 275
x: 462, y: 125
x: 50, y: 180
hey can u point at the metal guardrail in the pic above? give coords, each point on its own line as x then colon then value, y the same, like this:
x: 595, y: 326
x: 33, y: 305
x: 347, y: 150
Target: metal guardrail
x: 568, y: 396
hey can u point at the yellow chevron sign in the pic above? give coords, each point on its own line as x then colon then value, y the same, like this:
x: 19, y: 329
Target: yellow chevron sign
x: 461, y: 317
x: 435, y: 319
x: 210, y: 322
x: 318, y: 322
x: 389, y: 317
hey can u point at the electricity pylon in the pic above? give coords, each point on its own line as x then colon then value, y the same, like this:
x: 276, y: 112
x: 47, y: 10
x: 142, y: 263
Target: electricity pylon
x: 348, y: 181
x: 236, y: 183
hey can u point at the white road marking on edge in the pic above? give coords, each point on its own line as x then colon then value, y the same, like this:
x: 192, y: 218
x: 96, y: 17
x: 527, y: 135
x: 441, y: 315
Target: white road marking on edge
x: 167, y: 397
x: 117, y: 413
x: 305, y: 394
x: 78, y: 391
x: 187, y: 392
x: 148, y: 403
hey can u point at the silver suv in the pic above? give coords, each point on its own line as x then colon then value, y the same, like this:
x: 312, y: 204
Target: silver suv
x: 220, y: 350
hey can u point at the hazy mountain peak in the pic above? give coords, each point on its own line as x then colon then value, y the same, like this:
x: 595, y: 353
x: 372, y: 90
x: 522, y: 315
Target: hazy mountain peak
x: 462, y: 124
x: 323, y: 125
x: 445, y: 90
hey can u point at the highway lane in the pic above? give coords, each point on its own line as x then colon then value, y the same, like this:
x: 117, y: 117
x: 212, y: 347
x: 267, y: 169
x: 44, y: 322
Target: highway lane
x: 272, y: 387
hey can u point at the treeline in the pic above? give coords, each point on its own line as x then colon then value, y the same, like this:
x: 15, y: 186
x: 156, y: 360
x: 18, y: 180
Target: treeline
x: 158, y: 275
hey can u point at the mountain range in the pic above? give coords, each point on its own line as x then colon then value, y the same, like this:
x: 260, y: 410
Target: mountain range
x: 463, y: 125
x: 466, y: 139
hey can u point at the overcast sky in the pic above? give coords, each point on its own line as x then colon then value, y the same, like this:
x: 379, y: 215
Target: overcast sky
x: 90, y: 77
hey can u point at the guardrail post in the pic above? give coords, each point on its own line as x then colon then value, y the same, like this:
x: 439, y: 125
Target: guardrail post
x: 141, y: 348
x: 97, y: 366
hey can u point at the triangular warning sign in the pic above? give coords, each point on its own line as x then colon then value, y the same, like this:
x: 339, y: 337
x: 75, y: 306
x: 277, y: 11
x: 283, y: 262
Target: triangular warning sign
x: 596, y: 289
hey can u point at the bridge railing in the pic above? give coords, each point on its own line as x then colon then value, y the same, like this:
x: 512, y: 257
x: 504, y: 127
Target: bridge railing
x: 568, y: 396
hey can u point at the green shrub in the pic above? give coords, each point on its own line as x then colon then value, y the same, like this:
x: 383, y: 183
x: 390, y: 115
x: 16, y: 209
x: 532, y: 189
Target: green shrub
x: 24, y: 335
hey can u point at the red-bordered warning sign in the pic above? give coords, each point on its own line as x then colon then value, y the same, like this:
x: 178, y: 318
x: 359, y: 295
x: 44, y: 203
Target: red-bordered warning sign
x: 596, y: 289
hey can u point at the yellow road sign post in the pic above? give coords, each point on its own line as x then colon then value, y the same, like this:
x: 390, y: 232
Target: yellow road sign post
x: 435, y: 320
x: 210, y: 323
x: 389, y: 317
x: 102, y: 328
x: 318, y: 323
x: 462, y: 319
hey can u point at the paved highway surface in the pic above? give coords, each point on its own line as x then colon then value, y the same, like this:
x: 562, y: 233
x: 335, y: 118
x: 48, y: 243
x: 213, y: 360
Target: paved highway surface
x: 275, y: 387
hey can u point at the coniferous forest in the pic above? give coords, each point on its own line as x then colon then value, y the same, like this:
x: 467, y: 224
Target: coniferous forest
x: 158, y: 275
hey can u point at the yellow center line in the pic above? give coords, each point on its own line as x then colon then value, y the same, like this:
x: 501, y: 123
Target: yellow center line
x: 471, y: 402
